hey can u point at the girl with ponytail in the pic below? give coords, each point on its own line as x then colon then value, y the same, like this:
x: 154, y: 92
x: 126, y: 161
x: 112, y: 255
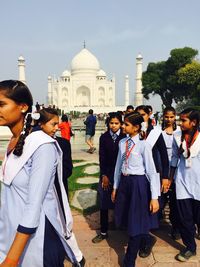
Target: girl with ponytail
x: 31, y: 226
x: 185, y: 162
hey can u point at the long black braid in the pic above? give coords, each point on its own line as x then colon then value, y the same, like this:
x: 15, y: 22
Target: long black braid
x: 19, y: 93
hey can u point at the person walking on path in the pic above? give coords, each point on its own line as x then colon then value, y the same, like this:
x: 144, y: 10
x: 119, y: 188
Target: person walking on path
x: 169, y: 128
x: 185, y: 171
x: 108, y: 150
x: 90, y: 123
x: 135, y: 190
x: 33, y: 232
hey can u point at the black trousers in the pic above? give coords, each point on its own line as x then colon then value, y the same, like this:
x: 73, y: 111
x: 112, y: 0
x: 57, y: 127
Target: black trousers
x: 134, y: 244
x: 104, y: 221
x: 170, y: 197
x: 189, y: 213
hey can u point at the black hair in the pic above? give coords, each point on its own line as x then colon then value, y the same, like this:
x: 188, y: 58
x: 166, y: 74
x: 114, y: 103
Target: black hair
x: 135, y: 119
x: 146, y: 110
x: 113, y: 115
x: 64, y: 118
x: 90, y: 111
x: 168, y: 109
x: 19, y: 93
x: 150, y: 108
x: 46, y: 114
x: 193, y: 115
x: 129, y: 107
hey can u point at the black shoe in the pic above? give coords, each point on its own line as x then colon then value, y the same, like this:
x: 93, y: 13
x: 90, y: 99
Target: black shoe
x: 175, y: 234
x: 185, y: 255
x: 198, y: 234
x: 99, y: 238
x: 80, y: 263
x: 146, y: 250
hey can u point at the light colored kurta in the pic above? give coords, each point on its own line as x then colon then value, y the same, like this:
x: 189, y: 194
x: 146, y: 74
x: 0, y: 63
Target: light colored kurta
x: 187, y: 176
x: 28, y: 195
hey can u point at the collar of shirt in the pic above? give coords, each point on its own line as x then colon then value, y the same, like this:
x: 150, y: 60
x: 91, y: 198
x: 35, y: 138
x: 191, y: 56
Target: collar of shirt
x: 117, y: 133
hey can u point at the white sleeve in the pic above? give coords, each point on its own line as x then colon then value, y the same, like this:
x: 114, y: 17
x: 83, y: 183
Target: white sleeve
x: 151, y: 172
x: 118, y: 168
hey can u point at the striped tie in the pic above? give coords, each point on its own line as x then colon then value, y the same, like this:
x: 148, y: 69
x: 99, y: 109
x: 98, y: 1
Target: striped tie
x: 114, y: 137
x: 130, y: 144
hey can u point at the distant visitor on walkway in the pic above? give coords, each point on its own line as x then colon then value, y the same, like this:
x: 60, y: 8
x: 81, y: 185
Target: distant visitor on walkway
x: 90, y: 123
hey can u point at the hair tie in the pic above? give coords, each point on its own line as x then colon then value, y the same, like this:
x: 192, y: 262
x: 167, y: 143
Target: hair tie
x: 35, y: 116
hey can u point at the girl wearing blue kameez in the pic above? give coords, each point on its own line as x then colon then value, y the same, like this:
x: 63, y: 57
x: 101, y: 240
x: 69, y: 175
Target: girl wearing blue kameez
x: 32, y: 229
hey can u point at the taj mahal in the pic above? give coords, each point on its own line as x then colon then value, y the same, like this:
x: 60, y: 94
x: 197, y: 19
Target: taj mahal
x: 85, y: 85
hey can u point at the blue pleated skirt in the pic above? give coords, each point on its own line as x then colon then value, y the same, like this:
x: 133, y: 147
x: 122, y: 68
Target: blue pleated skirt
x: 132, y: 209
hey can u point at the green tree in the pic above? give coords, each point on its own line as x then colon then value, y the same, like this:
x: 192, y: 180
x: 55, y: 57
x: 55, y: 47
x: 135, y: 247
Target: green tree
x: 162, y: 77
x: 189, y: 77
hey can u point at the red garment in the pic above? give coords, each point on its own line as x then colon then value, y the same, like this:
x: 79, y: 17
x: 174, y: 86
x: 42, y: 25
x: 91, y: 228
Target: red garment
x: 65, y: 129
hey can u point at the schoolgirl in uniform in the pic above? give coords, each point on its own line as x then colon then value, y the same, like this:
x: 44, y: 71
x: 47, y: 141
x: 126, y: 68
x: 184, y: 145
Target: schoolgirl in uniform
x: 186, y: 161
x: 33, y: 232
x: 135, y: 190
x: 154, y: 137
x: 169, y: 127
x: 108, y: 150
x: 48, y: 122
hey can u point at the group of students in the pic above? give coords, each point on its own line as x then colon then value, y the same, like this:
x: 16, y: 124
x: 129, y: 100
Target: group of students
x: 35, y: 218
x: 141, y: 167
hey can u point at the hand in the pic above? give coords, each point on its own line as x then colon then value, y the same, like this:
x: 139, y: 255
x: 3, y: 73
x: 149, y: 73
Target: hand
x: 113, y: 195
x: 154, y: 206
x: 105, y: 182
x: 165, y: 185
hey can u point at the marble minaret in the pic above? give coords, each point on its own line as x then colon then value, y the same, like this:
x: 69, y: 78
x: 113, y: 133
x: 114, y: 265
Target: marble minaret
x: 138, y: 100
x: 21, y: 66
x: 126, y: 90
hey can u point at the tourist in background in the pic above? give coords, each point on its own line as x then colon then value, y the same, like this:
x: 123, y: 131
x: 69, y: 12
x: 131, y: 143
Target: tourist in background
x: 90, y: 123
x: 108, y: 150
x: 65, y: 127
x: 31, y: 226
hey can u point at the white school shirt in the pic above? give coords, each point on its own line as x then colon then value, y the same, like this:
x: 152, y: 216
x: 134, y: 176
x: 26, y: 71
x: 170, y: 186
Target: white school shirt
x: 140, y: 162
x: 168, y: 138
x: 187, y: 179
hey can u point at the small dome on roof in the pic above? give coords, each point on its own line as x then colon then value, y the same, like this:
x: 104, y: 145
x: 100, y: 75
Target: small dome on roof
x: 21, y: 58
x: 139, y: 56
x: 66, y: 73
x: 101, y: 73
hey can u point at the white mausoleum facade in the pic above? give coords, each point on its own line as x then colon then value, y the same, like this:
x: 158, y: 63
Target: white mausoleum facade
x: 84, y: 86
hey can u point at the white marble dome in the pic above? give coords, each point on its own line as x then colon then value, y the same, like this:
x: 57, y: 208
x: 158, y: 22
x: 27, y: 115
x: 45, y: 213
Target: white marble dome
x: 85, y: 60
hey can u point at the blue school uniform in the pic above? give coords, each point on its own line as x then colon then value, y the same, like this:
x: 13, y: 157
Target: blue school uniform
x: 108, y: 150
x: 137, y: 182
x: 29, y: 204
x: 187, y: 181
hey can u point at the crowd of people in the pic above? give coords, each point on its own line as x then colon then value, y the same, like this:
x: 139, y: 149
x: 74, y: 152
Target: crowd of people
x: 142, y: 167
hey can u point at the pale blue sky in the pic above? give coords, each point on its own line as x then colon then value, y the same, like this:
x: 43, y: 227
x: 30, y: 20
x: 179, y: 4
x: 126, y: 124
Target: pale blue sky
x: 50, y: 33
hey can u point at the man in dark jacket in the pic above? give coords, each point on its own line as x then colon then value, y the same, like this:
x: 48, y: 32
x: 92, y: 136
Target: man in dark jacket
x: 90, y: 123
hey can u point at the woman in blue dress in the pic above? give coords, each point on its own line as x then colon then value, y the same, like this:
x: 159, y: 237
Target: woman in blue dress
x: 32, y: 229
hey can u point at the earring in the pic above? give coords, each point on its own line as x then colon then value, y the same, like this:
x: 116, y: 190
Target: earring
x: 23, y: 111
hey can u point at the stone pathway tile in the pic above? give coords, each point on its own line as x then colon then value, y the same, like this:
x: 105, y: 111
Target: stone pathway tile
x: 91, y: 169
x: 87, y: 180
x: 84, y: 198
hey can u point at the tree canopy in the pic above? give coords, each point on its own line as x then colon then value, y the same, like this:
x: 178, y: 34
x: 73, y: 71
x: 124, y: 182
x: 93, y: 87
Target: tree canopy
x: 167, y: 78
